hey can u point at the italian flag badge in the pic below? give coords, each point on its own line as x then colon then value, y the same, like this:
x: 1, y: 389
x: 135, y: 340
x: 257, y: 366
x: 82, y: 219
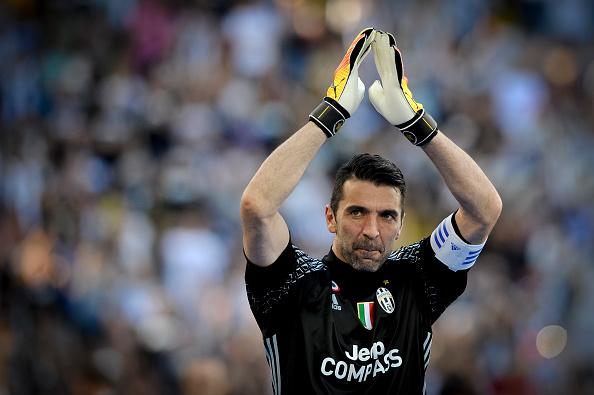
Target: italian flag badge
x: 365, y: 312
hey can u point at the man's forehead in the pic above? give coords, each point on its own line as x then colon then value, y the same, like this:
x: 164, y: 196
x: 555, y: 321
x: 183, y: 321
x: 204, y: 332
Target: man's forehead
x: 366, y: 193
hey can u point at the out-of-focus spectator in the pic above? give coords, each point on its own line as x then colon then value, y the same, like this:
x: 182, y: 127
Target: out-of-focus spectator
x: 129, y: 128
x: 254, y: 31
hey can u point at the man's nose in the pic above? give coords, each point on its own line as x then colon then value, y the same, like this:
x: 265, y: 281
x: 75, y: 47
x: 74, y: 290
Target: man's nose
x: 370, y: 229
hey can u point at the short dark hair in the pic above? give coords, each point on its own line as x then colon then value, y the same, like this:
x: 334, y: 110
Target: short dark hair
x: 367, y: 167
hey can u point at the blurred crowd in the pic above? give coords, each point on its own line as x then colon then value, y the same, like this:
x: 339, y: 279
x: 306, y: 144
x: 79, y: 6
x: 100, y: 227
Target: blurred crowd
x: 129, y: 129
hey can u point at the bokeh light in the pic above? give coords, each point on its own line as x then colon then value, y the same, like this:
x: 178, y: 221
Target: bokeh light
x: 344, y: 15
x: 551, y: 341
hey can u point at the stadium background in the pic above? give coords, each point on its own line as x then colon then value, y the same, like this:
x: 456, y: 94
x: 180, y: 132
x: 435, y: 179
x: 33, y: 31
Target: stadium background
x: 129, y: 129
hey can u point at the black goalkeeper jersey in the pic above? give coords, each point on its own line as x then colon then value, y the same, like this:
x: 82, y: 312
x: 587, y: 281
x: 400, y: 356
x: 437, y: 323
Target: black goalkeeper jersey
x: 329, y: 329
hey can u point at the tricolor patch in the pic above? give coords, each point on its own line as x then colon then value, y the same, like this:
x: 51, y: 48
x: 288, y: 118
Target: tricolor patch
x: 365, y: 312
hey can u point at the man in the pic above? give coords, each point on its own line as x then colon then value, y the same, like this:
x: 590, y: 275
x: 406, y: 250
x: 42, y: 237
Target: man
x: 359, y: 320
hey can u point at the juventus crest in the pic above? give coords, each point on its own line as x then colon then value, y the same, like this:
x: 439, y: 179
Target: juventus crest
x: 385, y: 300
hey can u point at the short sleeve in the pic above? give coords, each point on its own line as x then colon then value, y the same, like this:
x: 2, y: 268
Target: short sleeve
x: 440, y: 286
x: 272, y: 288
x: 436, y: 285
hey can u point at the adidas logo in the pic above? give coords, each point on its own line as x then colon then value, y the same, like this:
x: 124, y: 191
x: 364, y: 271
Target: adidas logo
x: 455, y: 247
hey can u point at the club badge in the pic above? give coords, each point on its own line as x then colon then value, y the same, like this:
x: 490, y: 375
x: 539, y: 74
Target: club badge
x: 385, y: 300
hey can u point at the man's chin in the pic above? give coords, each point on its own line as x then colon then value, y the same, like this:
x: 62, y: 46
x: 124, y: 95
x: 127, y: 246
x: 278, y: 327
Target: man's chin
x: 366, y: 264
x: 364, y: 260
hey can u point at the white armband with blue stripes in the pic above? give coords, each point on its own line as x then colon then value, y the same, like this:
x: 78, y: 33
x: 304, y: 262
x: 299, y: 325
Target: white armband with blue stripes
x: 450, y: 249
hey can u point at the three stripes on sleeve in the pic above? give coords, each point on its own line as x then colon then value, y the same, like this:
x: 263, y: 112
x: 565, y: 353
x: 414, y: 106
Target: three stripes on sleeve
x: 450, y: 249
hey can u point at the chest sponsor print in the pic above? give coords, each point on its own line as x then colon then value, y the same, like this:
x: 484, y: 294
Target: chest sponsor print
x: 361, y: 363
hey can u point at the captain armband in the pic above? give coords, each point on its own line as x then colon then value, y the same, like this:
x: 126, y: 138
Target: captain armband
x: 450, y: 249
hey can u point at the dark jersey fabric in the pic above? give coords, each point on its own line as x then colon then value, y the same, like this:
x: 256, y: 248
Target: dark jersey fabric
x: 314, y: 340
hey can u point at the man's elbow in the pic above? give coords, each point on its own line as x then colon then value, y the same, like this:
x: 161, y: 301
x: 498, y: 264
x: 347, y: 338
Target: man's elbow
x: 252, y: 207
x: 493, y: 210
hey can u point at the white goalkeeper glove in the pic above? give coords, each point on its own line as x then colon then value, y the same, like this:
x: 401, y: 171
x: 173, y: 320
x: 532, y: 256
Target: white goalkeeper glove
x: 347, y: 90
x: 392, y: 98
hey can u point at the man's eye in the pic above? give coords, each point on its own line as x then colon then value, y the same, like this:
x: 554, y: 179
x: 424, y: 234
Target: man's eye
x: 356, y: 213
x: 389, y: 216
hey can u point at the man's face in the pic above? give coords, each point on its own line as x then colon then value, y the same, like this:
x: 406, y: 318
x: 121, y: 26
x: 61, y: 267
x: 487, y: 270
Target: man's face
x: 367, y: 222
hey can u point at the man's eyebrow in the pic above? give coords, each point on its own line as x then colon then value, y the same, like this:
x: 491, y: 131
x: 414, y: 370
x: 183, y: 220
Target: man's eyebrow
x: 391, y: 212
x: 356, y: 207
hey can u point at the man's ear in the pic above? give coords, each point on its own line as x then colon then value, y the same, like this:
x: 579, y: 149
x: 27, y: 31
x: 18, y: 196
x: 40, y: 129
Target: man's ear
x: 330, y: 219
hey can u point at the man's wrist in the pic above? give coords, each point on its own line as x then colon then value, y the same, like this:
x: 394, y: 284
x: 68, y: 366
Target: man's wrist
x: 329, y: 116
x: 419, y: 130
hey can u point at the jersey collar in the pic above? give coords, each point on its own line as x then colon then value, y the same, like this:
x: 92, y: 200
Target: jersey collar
x: 351, y: 281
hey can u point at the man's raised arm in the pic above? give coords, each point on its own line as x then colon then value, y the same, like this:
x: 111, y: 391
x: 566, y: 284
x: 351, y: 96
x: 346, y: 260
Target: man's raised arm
x: 265, y: 233
x: 480, y: 204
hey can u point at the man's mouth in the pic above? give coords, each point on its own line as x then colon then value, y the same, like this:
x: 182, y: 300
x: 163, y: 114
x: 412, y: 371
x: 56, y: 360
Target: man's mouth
x: 367, y: 252
x: 369, y: 248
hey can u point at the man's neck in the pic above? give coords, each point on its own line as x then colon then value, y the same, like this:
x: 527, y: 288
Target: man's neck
x: 337, y: 254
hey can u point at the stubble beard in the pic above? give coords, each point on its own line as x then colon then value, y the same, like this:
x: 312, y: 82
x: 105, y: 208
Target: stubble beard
x: 357, y: 262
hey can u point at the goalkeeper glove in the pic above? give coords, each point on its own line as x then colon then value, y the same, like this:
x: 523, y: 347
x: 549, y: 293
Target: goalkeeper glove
x: 347, y: 90
x: 392, y: 98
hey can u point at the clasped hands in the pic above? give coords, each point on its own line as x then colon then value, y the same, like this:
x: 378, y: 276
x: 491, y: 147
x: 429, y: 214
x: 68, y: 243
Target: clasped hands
x: 391, y: 97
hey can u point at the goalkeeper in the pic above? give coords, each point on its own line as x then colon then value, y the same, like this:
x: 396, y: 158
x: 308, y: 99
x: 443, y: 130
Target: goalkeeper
x: 358, y: 321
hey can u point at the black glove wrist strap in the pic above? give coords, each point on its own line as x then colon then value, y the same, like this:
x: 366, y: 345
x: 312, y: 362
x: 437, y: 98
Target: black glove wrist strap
x: 420, y: 129
x: 329, y: 115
